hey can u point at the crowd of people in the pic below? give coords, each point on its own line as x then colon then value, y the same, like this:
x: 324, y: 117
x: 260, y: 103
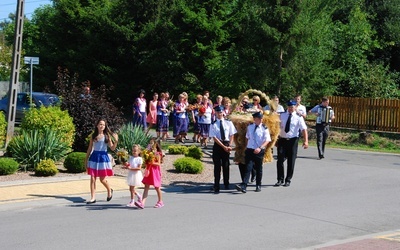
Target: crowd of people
x: 161, y: 110
x: 209, y: 122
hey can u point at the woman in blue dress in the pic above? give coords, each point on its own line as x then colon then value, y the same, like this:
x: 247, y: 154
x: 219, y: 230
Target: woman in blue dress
x: 97, y: 161
x: 139, y: 111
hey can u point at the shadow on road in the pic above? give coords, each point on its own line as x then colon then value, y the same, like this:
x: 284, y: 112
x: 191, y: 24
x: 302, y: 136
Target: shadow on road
x: 74, y: 199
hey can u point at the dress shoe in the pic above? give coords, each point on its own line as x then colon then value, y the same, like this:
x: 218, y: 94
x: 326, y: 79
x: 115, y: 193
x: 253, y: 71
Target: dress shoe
x: 279, y: 183
x: 253, y: 179
x: 258, y: 188
x: 215, y: 190
x: 241, y: 188
x: 287, y: 184
x: 109, y: 198
x: 91, y: 202
x: 321, y: 157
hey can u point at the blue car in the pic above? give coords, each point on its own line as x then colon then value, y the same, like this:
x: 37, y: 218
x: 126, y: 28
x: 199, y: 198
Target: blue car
x: 38, y: 99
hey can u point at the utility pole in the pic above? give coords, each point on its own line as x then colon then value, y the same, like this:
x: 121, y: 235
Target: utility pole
x: 12, y: 103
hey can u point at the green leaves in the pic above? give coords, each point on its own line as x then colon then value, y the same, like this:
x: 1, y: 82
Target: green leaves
x: 130, y: 135
x: 32, y: 146
x: 310, y: 47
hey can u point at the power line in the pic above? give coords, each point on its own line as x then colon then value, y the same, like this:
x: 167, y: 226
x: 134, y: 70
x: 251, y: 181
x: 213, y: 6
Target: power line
x: 26, y: 2
x: 35, y: 1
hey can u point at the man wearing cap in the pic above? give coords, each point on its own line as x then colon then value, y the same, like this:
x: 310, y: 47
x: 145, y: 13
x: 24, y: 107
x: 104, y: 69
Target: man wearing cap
x: 222, y: 131
x: 257, y: 139
x: 288, y: 143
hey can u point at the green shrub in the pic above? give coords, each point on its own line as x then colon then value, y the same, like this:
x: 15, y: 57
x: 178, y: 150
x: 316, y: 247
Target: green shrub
x: 46, y: 167
x: 75, y: 162
x: 86, y: 111
x: 177, y: 149
x: 188, y: 165
x: 3, y: 129
x: 8, y: 166
x: 194, y: 152
x: 32, y: 146
x: 50, y: 117
x: 130, y: 135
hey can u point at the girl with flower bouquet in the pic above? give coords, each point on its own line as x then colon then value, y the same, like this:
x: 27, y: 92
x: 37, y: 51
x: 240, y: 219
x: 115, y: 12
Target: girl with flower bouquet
x: 153, y: 159
x: 135, y: 175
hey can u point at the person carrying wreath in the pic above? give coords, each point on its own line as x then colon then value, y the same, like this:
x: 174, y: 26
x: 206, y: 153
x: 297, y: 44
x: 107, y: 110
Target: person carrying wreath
x: 257, y: 139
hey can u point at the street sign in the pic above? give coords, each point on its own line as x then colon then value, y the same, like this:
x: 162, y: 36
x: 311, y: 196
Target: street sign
x: 31, y: 60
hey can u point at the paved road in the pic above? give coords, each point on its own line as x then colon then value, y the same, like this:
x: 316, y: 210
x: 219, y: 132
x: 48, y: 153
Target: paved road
x: 347, y: 198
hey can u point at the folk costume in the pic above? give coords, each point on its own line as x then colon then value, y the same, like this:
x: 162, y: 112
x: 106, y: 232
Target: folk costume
x: 162, y: 116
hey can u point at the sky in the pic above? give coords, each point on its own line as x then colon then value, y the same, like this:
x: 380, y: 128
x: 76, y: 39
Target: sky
x: 10, y: 6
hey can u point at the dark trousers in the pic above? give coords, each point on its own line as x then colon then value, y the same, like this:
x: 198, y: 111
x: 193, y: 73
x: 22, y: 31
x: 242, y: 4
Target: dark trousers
x: 221, y: 160
x: 243, y: 169
x: 253, y: 161
x: 322, y: 134
x: 287, y: 149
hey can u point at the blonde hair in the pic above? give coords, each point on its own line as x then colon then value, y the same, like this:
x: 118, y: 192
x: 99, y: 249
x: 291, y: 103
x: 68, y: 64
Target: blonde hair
x: 256, y: 98
x: 138, y: 148
x: 226, y: 100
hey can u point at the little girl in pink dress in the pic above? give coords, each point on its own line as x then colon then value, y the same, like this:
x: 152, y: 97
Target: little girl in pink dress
x: 153, y: 177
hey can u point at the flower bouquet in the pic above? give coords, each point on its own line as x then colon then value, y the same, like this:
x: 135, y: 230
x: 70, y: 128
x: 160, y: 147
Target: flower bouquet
x: 202, y: 111
x: 122, y: 156
x: 148, y: 156
x: 170, y: 106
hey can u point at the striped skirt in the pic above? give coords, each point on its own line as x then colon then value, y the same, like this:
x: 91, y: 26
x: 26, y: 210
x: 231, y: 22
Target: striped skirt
x: 99, y: 164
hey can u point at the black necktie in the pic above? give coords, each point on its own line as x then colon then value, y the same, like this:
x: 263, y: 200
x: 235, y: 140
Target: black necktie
x: 255, y: 127
x: 221, y: 128
x: 287, y: 126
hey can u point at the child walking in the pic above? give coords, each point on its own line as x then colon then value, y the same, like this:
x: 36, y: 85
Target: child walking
x: 153, y: 175
x: 135, y: 175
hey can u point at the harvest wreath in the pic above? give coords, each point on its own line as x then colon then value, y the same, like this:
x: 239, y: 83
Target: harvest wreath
x: 242, y: 119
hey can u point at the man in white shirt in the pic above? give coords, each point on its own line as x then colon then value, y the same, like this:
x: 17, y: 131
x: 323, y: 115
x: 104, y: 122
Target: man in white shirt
x: 288, y: 143
x: 222, y: 131
x: 257, y: 139
x: 279, y: 108
x: 299, y: 108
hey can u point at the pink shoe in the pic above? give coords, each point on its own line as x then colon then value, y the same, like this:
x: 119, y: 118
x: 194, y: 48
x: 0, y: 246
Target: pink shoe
x: 159, y: 204
x: 139, y: 198
x: 139, y: 204
x: 130, y: 204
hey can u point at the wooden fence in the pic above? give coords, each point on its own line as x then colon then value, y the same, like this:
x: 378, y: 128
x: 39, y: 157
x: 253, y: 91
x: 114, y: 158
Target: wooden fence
x: 366, y: 114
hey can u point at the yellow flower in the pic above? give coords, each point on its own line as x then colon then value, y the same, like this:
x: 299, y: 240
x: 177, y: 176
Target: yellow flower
x: 148, y: 156
x: 122, y: 155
